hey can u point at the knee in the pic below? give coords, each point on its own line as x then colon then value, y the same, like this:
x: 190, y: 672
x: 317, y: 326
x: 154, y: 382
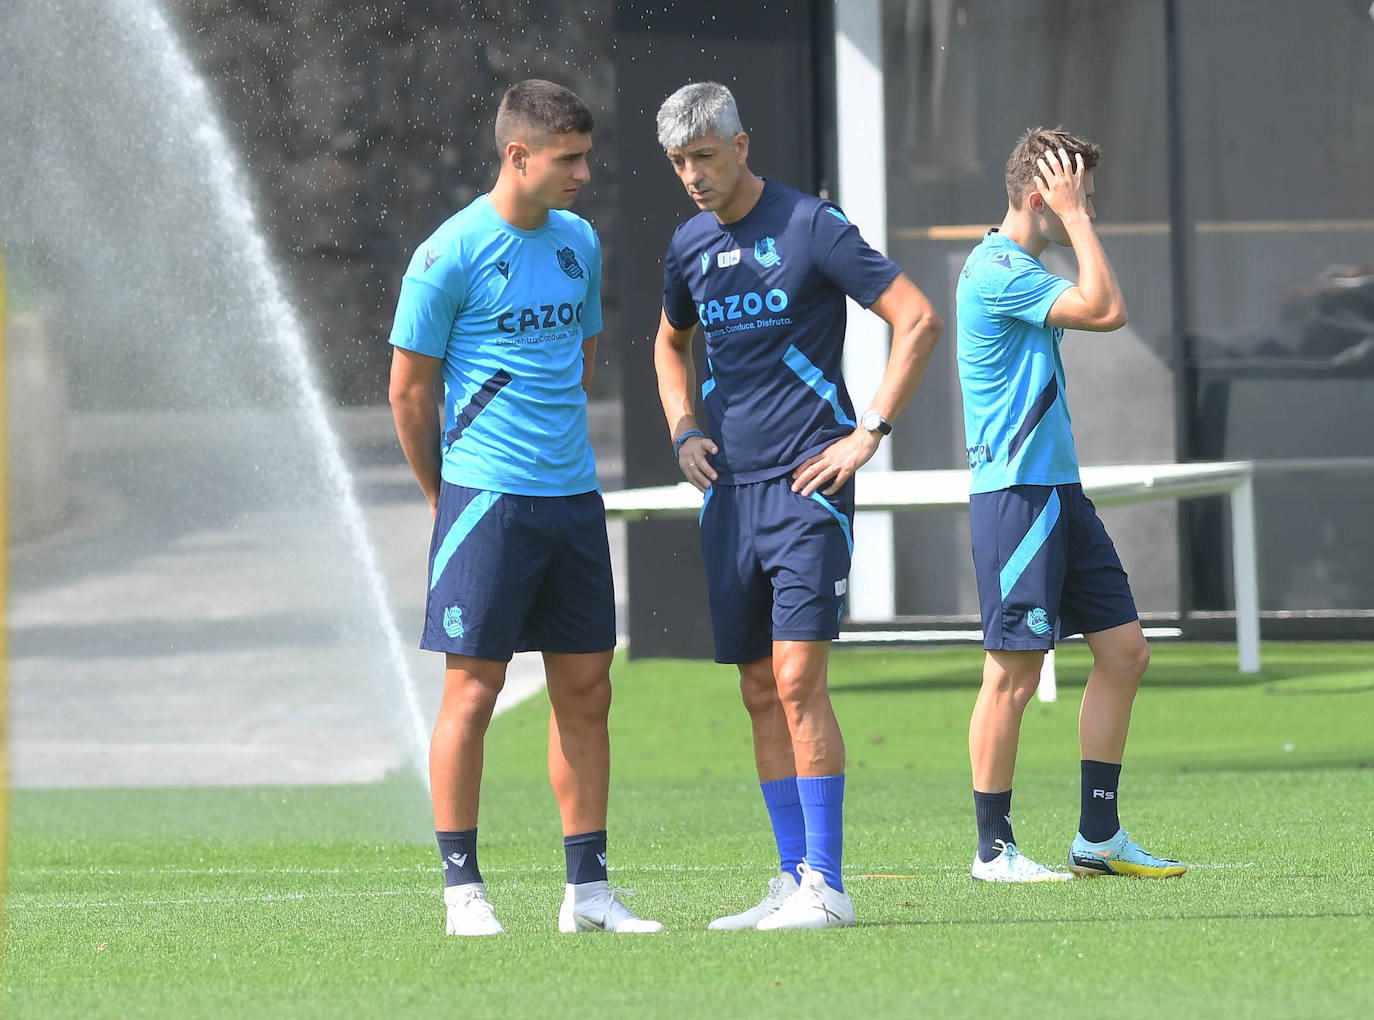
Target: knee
x: 1128, y: 664
x: 758, y: 689
x: 588, y: 696
x: 1011, y: 687
x: 468, y: 698
x: 798, y: 690
x: 1139, y: 660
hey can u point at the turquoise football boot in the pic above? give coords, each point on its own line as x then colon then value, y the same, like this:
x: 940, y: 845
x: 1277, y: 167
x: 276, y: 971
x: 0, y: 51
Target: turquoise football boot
x: 1119, y: 855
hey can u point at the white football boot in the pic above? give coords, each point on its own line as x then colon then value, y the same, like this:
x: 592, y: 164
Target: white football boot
x: 1011, y: 865
x: 780, y: 887
x: 813, y: 905
x: 469, y: 911
x: 595, y: 906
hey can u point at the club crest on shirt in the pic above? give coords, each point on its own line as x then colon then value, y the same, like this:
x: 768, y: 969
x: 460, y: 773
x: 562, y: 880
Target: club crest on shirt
x: 567, y: 261
x: 766, y: 253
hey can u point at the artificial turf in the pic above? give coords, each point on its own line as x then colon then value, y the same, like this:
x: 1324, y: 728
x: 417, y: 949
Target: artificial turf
x: 324, y: 901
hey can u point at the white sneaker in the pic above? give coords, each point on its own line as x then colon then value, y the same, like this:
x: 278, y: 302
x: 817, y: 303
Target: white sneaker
x: 1011, y: 865
x: 779, y: 888
x: 813, y: 905
x: 469, y: 911
x: 595, y: 906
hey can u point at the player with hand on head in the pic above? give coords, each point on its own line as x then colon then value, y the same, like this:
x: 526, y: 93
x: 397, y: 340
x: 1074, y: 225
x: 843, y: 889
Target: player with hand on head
x: 1046, y: 567
x: 504, y: 300
x: 763, y: 270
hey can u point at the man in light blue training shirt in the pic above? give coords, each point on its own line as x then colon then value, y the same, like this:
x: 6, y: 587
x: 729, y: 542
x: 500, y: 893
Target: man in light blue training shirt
x: 1046, y: 567
x: 504, y: 300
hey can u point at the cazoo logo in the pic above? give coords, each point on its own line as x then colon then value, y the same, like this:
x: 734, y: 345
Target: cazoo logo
x: 737, y: 306
x: 542, y: 317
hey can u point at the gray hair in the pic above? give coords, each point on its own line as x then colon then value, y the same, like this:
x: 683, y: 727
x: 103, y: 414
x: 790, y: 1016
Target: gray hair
x: 701, y: 108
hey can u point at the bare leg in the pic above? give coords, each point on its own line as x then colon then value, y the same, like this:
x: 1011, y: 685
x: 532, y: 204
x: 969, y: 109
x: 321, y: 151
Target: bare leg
x: 455, y: 751
x: 994, y: 732
x: 772, y: 739
x: 579, y: 743
x: 800, y: 671
x: 1120, y: 656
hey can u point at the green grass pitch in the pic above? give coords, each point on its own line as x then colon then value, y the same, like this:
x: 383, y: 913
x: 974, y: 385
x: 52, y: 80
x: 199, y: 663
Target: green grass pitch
x: 324, y: 901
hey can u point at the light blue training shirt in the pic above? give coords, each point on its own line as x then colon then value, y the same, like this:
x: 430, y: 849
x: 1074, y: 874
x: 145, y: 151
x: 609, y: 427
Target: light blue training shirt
x: 507, y: 310
x: 1016, y: 414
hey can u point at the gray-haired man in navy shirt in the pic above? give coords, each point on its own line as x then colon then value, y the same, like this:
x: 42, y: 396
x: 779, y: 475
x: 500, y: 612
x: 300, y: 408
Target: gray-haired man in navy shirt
x: 764, y: 271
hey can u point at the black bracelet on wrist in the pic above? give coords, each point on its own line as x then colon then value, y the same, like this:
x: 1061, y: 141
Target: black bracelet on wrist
x: 677, y: 443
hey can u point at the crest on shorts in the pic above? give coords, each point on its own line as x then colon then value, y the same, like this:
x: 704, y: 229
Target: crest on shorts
x: 1038, y: 621
x: 453, y: 621
x: 766, y: 253
x: 567, y: 261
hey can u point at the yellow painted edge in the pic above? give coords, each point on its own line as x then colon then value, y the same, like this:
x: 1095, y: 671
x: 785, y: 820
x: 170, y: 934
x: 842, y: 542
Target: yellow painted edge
x: 4, y: 616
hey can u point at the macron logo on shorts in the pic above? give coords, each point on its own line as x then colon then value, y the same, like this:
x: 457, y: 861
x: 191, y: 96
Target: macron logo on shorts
x: 453, y: 621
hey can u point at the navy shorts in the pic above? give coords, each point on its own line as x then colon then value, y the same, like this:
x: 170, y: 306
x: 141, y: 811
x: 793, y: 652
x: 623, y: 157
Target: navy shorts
x: 777, y: 565
x: 1046, y: 567
x: 519, y: 573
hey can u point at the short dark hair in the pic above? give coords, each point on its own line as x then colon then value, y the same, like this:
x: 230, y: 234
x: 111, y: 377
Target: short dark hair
x: 1021, y: 168
x: 534, y: 109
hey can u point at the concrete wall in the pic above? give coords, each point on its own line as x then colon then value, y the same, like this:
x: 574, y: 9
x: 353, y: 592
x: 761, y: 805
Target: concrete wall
x: 37, y: 455
x: 366, y: 125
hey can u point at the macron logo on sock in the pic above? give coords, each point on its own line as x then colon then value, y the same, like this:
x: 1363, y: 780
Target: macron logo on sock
x: 601, y: 859
x: 458, y: 860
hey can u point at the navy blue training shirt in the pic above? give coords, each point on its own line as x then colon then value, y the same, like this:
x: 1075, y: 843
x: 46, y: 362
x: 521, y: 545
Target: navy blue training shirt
x: 768, y: 291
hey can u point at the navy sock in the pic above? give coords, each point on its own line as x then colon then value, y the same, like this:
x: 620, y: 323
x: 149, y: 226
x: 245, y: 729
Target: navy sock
x: 789, y: 824
x: 994, y: 822
x: 1097, y: 819
x: 458, y: 851
x: 822, y: 804
x: 585, y: 853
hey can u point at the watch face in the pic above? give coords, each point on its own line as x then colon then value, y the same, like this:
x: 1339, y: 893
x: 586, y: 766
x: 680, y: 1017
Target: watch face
x: 873, y: 422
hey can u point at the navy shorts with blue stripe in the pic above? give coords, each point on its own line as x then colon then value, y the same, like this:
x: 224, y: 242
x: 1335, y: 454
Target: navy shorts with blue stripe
x: 1046, y: 567
x: 519, y: 573
x: 777, y: 565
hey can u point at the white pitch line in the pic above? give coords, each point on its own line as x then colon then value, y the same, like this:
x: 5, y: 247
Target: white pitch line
x: 202, y: 900
x: 17, y: 902
x: 860, y: 873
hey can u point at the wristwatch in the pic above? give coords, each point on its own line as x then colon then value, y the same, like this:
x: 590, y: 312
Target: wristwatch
x: 875, y: 422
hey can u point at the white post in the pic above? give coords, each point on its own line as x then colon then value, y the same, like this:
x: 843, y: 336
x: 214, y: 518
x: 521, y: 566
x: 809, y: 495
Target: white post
x: 1245, y: 575
x: 1049, y: 683
x: 862, y: 187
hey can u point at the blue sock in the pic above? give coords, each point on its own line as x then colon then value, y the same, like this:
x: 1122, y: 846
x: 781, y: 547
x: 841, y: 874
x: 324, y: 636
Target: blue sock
x: 789, y: 824
x: 585, y: 854
x: 1097, y: 819
x: 994, y: 822
x: 458, y: 851
x: 822, y: 804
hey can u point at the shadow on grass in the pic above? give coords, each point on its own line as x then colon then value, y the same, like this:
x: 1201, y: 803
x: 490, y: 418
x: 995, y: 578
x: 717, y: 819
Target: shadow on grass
x: 1287, y: 763
x: 1307, y: 678
x: 1097, y: 920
